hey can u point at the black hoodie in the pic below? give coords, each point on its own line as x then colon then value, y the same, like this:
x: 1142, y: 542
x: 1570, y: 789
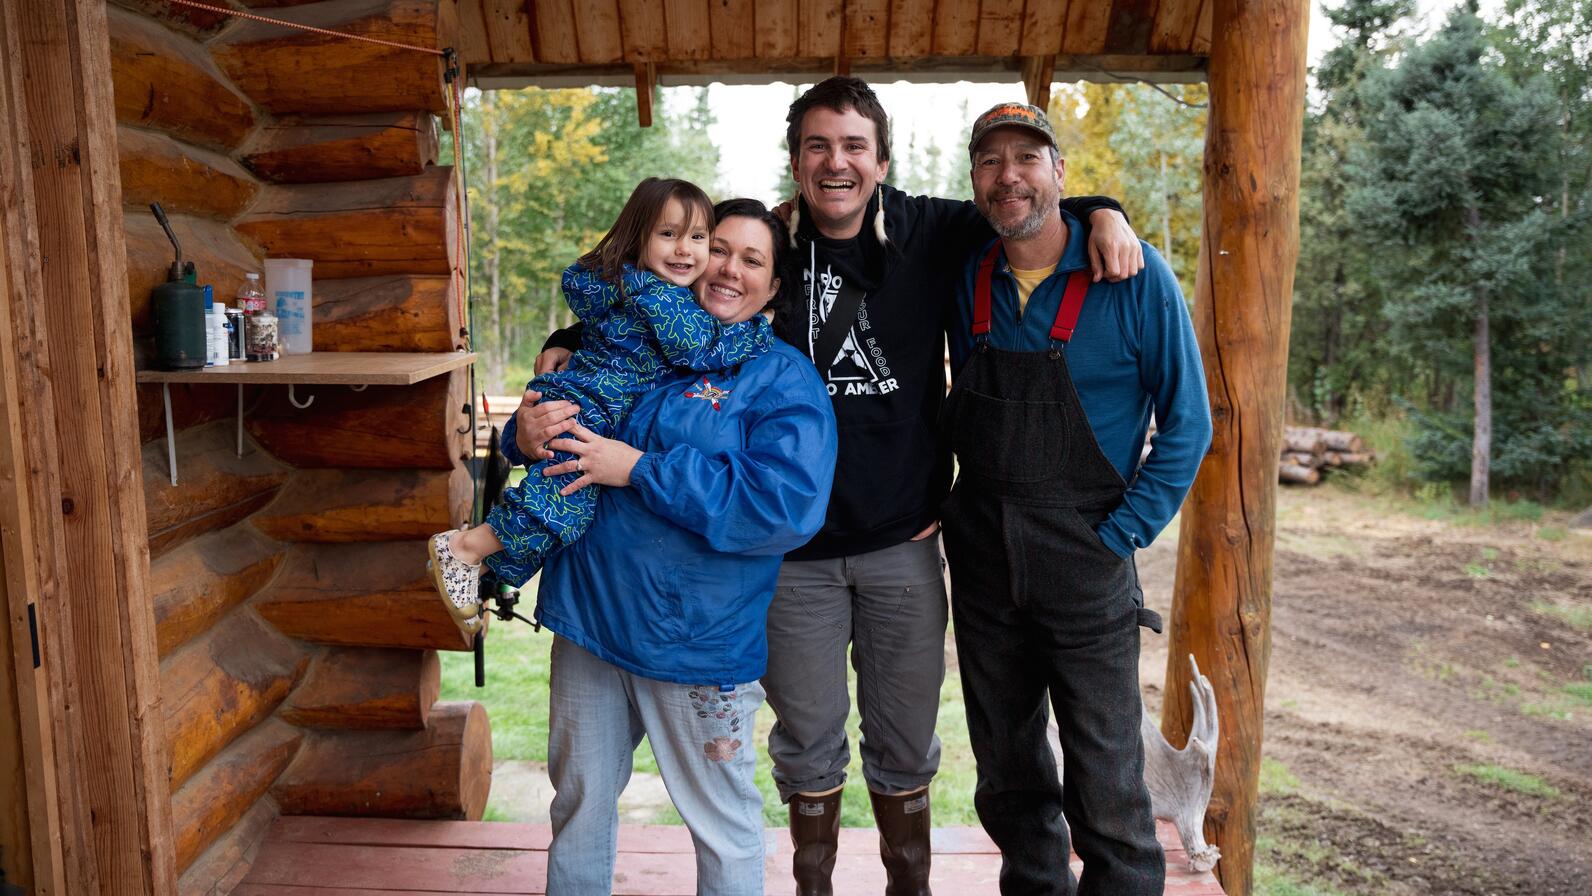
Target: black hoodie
x: 888, y: 380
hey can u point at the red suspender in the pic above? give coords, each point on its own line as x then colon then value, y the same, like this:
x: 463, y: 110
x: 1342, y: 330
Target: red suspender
x: 981, y: 284
x: 1071, y: 306
x: 1066, y: 314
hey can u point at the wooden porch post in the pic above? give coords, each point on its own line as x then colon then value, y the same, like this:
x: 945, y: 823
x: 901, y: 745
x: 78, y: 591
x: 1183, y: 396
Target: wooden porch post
x: 72, y: 520
x: 1221, y: 607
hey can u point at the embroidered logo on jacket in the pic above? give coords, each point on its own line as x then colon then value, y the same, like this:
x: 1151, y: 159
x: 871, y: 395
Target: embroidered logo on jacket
x: 709, y: 393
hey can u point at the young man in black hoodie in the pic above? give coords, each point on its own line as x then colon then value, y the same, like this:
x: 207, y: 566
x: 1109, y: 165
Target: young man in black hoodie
x: 880, y: 270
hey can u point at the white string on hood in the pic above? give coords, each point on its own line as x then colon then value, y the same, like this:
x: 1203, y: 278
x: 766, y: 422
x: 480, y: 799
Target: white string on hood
x: 878, y: 219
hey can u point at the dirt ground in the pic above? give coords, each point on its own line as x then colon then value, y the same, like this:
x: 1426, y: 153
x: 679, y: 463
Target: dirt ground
x: 1429, y: 704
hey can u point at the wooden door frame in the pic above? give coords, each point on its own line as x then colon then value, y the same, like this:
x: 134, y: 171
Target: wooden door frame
x: 72, y: 525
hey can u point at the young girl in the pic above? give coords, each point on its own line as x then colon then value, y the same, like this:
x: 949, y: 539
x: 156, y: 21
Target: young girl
x: 632, y: 294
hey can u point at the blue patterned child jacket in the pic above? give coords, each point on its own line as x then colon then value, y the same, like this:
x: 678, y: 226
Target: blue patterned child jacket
x: 632, y: 339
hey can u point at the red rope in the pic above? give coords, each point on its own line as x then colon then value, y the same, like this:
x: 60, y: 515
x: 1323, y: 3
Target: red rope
x: 455, y: 101
x: 226, y: 11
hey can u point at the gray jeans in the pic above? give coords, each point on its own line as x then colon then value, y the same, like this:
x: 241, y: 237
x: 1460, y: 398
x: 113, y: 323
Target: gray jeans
x: 890, y: 606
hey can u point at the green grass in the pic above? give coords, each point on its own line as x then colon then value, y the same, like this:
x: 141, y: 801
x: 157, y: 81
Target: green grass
x: 1270, y: 881
x: 515, y: 696
x: 1552, y: 533
x: 1578, y: 618
x: 1275, y: 778
x: 1508, y: 779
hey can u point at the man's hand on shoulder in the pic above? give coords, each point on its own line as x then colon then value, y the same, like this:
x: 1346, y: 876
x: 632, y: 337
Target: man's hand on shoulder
x: 554, y: 359
x: 1114, y: 250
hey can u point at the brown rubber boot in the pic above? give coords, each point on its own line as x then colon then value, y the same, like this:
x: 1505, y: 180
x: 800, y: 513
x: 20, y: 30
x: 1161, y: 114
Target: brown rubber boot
x: 815, y: 832
x: 904, y: 841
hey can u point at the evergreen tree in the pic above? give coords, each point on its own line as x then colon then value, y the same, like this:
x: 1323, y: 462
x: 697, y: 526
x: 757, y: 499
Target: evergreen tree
x: 1455, y: 161
x: 1338, y: 362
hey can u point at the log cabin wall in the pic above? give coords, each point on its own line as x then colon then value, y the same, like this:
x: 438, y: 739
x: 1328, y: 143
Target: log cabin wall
x: 296, y: 625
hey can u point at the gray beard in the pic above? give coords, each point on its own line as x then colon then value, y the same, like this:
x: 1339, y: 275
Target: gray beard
x: 1023, y: 229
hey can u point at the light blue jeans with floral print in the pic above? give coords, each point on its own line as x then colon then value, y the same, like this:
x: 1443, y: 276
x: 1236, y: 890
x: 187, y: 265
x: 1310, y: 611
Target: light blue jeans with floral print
x: 702, y: 738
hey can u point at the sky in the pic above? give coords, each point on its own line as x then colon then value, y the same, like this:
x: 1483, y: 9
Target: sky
x: 750, y: 125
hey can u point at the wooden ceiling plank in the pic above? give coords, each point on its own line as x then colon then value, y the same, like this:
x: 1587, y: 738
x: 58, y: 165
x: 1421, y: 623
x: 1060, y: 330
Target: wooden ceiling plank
x: 1173, y: 29
x: 474, y: 47
x: 642, y: 30
x: 646, y: 84
x: 508, y: 29
x: 820, y: 27
x: 1201, y: 45
x: 556, y: 40
x: 1131, y: 24
x: 1043, y: 22
x: 867, y: 29
x: 597, y: 30
x: 777, y: 28
x: 955, y: 28
x: 1000, y: 26
x: 734, y: 28
x: 1085, y: 34
x: 911, y: 28
x: 690, y: 32
x: 1038, y: 74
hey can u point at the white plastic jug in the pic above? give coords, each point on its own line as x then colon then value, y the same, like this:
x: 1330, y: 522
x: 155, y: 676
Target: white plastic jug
x: 287, y: 292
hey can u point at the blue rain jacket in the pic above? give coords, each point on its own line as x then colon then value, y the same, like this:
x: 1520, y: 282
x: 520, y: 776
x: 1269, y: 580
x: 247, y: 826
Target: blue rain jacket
x: 674, y: 578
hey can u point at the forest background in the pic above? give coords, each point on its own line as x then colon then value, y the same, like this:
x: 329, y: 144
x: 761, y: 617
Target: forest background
x: 1443, y: 296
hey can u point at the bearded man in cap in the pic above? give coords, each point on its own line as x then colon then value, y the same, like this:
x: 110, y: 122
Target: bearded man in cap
x: 1055, y: 379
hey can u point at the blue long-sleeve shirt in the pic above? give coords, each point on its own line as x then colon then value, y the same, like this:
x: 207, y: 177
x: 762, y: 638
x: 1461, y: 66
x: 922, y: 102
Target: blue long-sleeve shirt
x: 1134, y: 352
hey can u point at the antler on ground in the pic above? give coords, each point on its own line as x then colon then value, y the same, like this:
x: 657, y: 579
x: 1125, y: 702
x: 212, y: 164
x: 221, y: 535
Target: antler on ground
x: 1180, y: 781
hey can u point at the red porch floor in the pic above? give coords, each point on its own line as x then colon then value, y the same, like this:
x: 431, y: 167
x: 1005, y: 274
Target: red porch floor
x: 372, y: 857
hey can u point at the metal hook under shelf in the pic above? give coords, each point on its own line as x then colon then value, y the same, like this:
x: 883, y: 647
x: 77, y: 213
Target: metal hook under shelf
x: 292, y: 398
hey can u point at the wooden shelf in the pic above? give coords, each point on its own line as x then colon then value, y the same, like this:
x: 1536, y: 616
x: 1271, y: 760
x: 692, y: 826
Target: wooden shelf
x: 324, y: 368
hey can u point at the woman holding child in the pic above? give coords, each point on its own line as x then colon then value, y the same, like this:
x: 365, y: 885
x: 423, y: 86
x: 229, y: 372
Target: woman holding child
x: 719, y: 463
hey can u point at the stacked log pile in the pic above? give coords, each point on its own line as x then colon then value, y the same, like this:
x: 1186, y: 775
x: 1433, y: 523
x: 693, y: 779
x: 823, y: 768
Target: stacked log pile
x: 1309, y: 452
x: 295, y: 621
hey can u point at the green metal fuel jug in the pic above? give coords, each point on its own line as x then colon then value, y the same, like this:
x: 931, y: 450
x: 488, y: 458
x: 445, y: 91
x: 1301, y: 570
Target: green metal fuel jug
x: 179, y: 309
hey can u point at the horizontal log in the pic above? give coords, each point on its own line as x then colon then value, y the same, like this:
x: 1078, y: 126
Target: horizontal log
x: 360, y: 595
x: 200, y: 23
x: 342, y: 148
x: 220, y: 868
x: 1346, y: 458
x: 215, y: 488
x: 367, y: 505
x: 1302, y: 440
x: 220, y: 258
x: 444, y: 771
x: 1301, y: 459
x: 220, y: 686
x: 293, y: 72
x: 1329, y: 439
x: 197, y: 583
x: 181, y: 177
x: 396, y: 225
x: 216, y: 799
x: 383, y: 427
x: 387, y: 314
x: 365, y: 688
x: 1297, y: 475
x: 191, y: 404
x: 166, y: 81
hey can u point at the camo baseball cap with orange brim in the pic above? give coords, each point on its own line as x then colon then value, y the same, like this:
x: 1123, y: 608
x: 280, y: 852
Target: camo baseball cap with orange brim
x: 1012, y: 115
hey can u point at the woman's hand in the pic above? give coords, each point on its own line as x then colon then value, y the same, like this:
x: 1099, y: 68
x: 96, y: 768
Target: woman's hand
x: 1114, y: 250
x: 535, y: 424
x: 598, y: 460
